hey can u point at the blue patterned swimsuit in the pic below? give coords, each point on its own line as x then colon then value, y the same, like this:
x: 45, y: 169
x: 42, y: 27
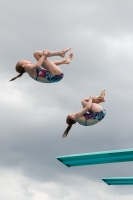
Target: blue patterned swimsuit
x: 94, y: 115
x: 41, y: 72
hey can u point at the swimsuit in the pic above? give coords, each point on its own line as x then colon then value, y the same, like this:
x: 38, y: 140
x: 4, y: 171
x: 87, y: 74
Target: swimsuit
x: 41, y: 72
x: 94, y: 115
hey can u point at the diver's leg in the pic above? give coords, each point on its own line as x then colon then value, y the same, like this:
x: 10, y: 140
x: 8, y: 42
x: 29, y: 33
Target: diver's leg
x: 64, y: 61
x: 38, y: 54
x: 96, y: 107
x: 96, y: 99
x: 51, y: 67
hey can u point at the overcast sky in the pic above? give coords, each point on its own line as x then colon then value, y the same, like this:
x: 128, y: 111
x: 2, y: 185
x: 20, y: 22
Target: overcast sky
x: 33, y: 114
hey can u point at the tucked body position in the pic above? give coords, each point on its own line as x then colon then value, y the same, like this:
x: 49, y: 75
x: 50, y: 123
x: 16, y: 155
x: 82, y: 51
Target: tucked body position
x: 44, y: 70
x: 91, y: 114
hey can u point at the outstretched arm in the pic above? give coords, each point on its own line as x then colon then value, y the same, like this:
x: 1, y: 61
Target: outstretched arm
x: 87, y: 108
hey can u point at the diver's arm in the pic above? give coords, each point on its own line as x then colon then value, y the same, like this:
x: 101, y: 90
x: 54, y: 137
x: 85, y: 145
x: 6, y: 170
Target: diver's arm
x: 87, y: 108
x: 36, y: 65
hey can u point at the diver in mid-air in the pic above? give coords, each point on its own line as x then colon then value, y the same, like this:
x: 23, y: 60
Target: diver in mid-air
x: 44, y: 70
x: 91, y: 114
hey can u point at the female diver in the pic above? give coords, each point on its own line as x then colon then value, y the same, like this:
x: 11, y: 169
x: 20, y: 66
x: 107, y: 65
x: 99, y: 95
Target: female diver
x: 91, y: 114
x: 44, y: 70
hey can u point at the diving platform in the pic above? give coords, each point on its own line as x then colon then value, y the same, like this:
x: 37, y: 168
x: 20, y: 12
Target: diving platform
x: 119, y: 180
x: 114, y: 156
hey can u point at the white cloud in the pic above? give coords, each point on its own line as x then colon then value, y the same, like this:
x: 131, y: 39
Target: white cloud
x: 15, y: 186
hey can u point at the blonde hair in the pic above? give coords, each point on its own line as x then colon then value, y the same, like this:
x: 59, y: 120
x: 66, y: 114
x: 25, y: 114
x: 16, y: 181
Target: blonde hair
x: 19, y: 69
x: 70, y: 122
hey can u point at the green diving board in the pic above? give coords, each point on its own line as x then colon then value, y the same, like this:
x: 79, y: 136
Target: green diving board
x: 124, y: 155
x: 119, y: 180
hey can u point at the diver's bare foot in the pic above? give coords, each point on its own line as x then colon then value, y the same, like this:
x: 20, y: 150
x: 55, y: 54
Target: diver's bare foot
x: 102, y: 95
x: 100, y: 98
x: 68, y: 59
x: 64, y: 51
